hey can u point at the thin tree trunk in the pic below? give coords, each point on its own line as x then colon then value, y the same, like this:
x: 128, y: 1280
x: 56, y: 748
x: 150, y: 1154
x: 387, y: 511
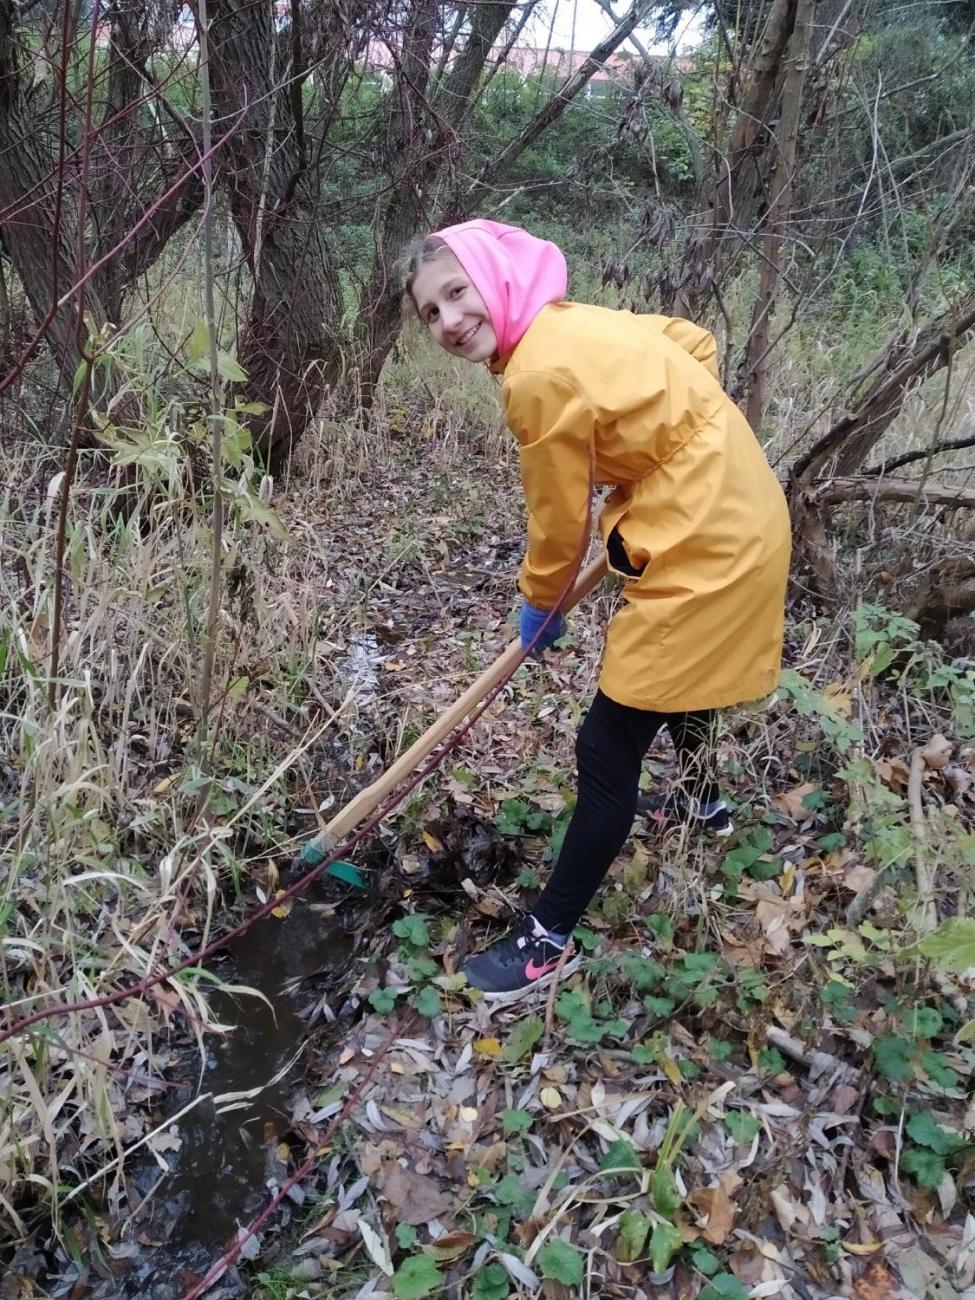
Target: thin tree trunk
x: 424, y: 137
x: 787, y: 139
x: 38, y: 210
x: 407, y: 212
x: 740, y: 188
x: 290, y: 342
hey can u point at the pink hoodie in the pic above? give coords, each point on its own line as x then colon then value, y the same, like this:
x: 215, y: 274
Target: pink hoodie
x: 515, y: 273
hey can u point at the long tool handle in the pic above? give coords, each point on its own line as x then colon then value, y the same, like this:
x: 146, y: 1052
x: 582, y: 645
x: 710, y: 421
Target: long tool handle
x: 369, y: 799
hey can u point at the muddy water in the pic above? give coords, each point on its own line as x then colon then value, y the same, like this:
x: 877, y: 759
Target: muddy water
x: 227, y: 1151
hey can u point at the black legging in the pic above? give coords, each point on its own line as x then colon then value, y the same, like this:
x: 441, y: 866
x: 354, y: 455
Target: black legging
x: 610, y: 748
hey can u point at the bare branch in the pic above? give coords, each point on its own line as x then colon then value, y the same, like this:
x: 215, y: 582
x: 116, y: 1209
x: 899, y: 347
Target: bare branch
x: 564, y: 96
x: 905, y: 366
x: 909, y: 457
x: 837, y: 490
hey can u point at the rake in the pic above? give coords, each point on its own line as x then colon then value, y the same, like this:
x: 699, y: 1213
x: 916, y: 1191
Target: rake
x: 368, y: 800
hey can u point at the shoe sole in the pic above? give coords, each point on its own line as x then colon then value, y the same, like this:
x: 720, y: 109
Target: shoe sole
x: 506, y: 999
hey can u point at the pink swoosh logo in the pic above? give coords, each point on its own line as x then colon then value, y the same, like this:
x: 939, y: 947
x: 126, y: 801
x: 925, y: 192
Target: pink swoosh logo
x: 534, y: 972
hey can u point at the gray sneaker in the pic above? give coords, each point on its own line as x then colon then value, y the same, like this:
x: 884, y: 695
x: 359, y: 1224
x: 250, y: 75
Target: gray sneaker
x: 677, y: 809
x: 524, y: 961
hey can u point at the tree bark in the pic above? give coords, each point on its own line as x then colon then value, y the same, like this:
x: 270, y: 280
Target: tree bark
x: 140, y: 149
x: 39, y: 215
x: 834, y: 491
x: 409, y: 158
x: 741, y: 183
x: 776, y: 219
x: 290, y: 345
x: 567, y: 92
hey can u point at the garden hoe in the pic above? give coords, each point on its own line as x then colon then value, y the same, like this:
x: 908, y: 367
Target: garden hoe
x: 368, y: 800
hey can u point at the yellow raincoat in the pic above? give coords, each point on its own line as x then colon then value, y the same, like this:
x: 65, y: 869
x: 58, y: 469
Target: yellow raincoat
x: 694, y: 501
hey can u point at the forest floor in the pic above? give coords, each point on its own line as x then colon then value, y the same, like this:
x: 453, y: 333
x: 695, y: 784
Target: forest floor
x: 742, y: 1093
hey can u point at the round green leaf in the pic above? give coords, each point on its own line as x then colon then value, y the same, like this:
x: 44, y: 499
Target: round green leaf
x: 416, y: 1277
x: 561, y: 1262
x: 742, y: 1125
x: 724, y: 1286
x: 427, y: 1002
x: 492, y: 1282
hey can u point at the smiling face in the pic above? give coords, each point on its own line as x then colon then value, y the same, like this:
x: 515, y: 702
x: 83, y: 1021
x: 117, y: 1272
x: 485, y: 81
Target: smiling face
x: 453, y: 310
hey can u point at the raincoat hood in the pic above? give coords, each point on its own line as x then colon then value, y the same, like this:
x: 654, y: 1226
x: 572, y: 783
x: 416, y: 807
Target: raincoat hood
x: 515, y: 273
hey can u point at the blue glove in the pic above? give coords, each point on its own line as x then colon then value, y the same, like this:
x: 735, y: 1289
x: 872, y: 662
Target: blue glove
x: 531, y: 620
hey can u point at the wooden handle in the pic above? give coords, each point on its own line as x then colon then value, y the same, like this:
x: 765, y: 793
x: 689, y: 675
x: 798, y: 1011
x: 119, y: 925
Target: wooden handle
x: 368, y: 800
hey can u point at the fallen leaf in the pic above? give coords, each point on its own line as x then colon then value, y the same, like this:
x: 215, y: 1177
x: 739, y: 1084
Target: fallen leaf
x: 488, y: 1047
x: 893, y: 772
x: 719, y: 1208
x: 432, y: 843
x: 790, y: 801
x: 858, y: 877
x: 786, y: 1210
x: 377, y: 1248
x: 282, y: 909
x: 844, y: 1099
x: 452, y: 1245
x: 772, y: 916
x: 551, y: 1098
x: 840, y: 698
x: 417, y: 1199
x: 876, y: 1282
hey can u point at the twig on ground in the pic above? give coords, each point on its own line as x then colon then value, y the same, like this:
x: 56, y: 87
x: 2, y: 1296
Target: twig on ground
x: 925, y: 913
x: 861, y: 902
x: 817, y: 1062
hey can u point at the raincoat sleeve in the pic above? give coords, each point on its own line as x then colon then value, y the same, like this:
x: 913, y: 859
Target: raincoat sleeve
x: 554, y: 426
x: 693, y: 339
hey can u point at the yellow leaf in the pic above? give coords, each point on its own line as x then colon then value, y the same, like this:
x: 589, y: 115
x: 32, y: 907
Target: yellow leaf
x: 488, y: 1047
x: 163, y: 785
x: 283, y: 1150
x: 468, y: 1114
x: 282, y: 909
x: 863, y: 1247
x: 551, y: 1098
x: 670, y: 1068
x: 432, y: 843
x: 840, y: 699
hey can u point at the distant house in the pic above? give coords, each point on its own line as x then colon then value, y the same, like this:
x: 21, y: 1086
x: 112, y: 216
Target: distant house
x: 558, y: 65
x: 614, y: 75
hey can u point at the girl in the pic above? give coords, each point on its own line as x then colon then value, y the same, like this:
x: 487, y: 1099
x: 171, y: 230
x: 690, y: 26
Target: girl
x: 697, y: 525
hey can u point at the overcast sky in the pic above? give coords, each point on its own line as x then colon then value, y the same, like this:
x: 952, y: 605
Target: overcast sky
x: 589, y: 23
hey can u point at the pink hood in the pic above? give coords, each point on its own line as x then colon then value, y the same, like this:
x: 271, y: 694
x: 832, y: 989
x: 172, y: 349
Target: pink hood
x: 515, y: 273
